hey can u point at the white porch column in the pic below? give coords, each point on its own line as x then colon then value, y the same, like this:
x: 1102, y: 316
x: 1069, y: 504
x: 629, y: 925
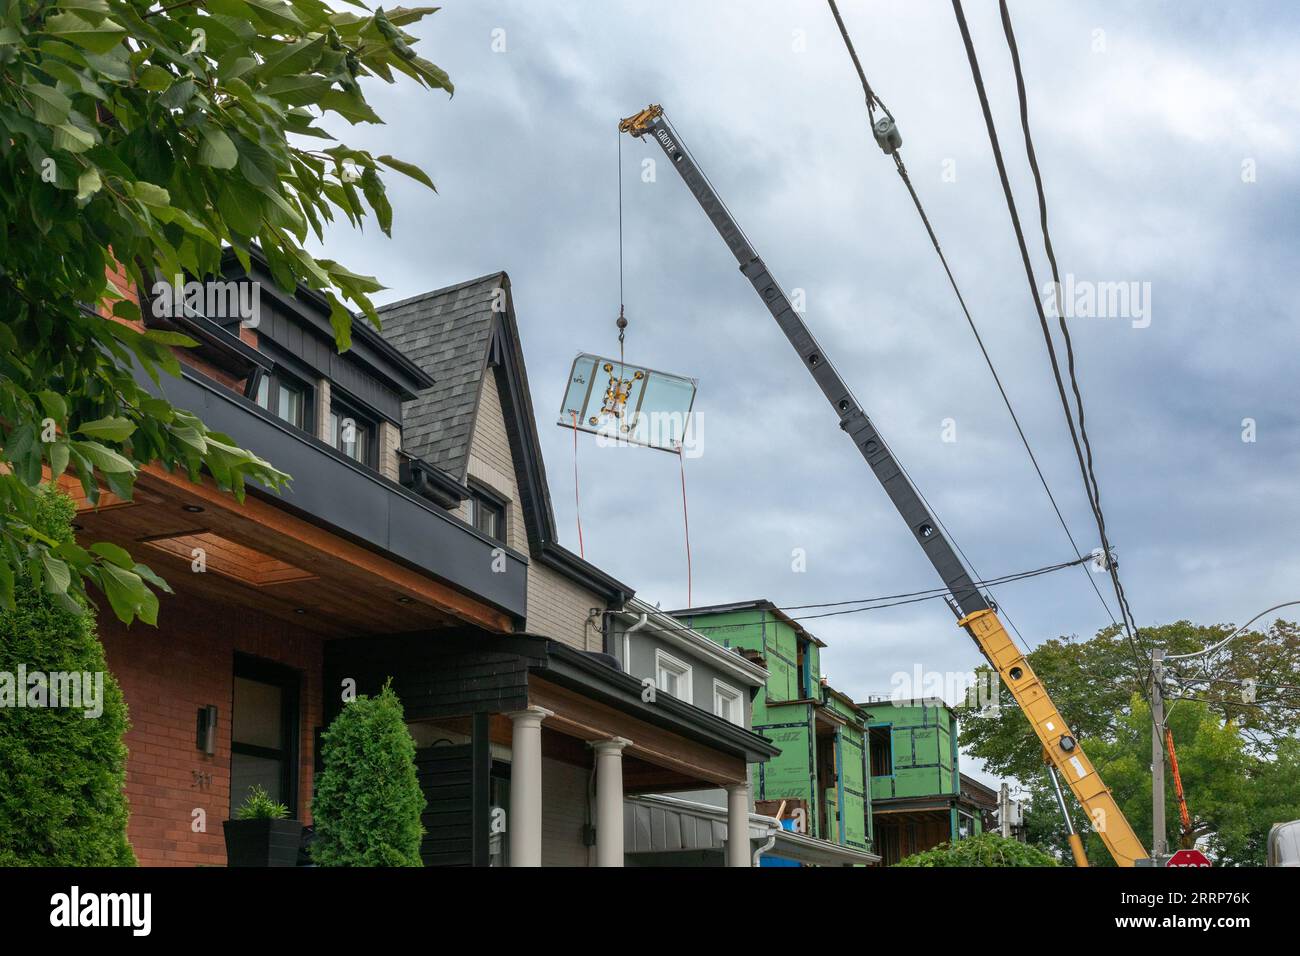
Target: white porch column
x: 525, y: 823
x: 738, y: 825
x: 609, y: 800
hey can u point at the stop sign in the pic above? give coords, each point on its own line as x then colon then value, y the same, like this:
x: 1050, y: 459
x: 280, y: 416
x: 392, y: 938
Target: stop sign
x: 1188, y: 858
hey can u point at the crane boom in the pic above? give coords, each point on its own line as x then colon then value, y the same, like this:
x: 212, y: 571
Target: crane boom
x: 974, y: 611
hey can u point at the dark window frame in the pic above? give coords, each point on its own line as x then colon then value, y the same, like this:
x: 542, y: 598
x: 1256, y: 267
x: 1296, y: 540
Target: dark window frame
x: 273, y: 380
x: 289, y: 681
x: 352, y: 409
x: 483, y: 496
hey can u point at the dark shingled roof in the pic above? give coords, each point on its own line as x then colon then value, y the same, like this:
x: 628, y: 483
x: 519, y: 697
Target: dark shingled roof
x: 447, y: 333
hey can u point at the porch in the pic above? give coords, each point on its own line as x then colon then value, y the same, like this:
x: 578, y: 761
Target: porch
x: 528, y: 747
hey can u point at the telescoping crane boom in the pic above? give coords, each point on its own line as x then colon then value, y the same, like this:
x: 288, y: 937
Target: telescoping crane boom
x: 975, y: 614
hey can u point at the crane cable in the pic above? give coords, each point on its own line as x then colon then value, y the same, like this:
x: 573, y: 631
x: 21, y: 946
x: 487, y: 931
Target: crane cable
x: 1077, y: 433
x: 872, y: 101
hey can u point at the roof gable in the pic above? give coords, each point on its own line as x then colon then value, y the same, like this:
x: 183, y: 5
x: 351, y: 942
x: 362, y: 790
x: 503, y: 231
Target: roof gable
x: 447, y: 333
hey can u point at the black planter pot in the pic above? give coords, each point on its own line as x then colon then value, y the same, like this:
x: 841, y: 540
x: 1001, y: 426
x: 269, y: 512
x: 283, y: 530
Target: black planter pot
x: 262, y: 842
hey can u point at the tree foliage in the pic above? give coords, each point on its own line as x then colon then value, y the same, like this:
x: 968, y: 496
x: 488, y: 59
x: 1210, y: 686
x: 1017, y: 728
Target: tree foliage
x: 61, y: 771
x: 368, y: 799
x: 985, y: 849
x: 151, y: 136
x: 1234, y: 756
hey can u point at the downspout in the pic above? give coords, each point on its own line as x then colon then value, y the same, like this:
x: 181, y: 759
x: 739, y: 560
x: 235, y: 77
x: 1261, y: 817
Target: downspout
x: 627, y: 645
x: 773, y: 824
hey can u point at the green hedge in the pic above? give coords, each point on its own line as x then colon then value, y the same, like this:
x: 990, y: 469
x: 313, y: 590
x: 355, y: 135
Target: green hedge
x: 61, y: 773
x: 987, y: 849
x: 368, y: 800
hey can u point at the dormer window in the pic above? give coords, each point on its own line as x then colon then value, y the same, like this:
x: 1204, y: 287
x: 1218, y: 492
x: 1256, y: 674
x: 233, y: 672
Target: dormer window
x: 487, y: 512
x: 352, y: 433
x: 285, y: 397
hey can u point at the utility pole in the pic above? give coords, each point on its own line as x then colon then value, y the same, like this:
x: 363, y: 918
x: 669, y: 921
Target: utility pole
x: 1159, y: 849
x: 1004, y: 810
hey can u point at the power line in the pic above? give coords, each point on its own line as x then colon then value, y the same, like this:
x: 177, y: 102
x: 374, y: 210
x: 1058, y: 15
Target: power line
x: 936, y: 591
x: 885, y: 601
x: 1078, y: 433
x: 872, y: 100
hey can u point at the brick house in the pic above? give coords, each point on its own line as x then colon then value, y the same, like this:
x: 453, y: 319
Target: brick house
x: 416, y: 541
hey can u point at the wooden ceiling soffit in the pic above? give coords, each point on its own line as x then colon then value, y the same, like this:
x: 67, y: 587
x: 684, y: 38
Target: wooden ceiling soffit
x: 287, y: 549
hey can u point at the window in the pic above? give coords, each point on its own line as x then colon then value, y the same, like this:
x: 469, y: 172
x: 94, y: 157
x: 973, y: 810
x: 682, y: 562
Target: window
x: 881, y: 742
x: 353, y: 434
x: 487, y: 512
x: 264, y: 732
x: 285, y: 397
x: 672, y: 676
x: 728, y: 704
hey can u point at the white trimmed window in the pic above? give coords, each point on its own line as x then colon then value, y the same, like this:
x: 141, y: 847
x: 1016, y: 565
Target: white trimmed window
x: 727, y: 703
x: 673, y: 676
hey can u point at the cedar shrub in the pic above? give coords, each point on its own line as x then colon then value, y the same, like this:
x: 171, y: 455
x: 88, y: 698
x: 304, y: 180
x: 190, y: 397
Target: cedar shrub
x: 61, y: 773
x: 368, y: 800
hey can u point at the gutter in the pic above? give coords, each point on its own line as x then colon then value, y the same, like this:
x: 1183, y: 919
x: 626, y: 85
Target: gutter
x: 678, y: 633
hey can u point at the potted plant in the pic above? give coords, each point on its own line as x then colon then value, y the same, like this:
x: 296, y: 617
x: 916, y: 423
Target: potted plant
x: 262, y: 833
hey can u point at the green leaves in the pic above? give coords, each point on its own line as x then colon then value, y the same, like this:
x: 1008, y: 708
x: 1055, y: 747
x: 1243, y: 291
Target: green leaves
x: 120, y: 131
x: 113, y: 428
x: 217, y: 150
x: 88, y: 183
x: 98, y: 37
x: 407, y: 169
x: 50, y: 106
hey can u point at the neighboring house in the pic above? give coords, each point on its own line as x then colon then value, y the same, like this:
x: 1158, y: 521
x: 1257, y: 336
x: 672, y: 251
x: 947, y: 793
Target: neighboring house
x: 229, y: 690
x: 817, y: 785
x: 919, y: 796
x: 538, y: 734
x: 671, y: 661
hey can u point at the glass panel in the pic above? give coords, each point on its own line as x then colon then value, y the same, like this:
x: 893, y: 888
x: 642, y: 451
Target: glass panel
x: 247, y: 772
x: 626, y: 402
x: 487, y: 518
x: 334, y: 428
x: 263, y: 390
x: 257, y: 714
x: 356, y: 448
x: 290, y: 404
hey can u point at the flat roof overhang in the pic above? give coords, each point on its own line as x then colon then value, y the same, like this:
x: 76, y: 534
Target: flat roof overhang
x: 337, y: 520
x: 569, y: 675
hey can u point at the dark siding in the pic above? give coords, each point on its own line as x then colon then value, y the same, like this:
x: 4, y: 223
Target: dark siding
x: 446, y: 777
x: 436, y: 674
x: 319, y: 354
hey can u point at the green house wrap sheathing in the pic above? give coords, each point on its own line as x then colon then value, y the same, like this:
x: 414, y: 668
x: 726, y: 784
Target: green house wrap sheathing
x: 852, y: 795
x: 785, y: 713
x: 924, y: 749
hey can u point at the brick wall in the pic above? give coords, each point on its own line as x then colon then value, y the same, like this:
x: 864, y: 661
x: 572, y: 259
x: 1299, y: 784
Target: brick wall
x: 166, y: 674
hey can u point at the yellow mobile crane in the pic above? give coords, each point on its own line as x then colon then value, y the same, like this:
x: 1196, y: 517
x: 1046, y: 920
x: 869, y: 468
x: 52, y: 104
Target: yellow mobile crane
x: 1063, y: 754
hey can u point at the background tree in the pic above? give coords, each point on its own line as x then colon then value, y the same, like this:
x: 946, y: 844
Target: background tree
x: 368, y: 799
x: 986, y: 849
x: 1233, y: 755
x: 61, y: 772
x: 151, y: 135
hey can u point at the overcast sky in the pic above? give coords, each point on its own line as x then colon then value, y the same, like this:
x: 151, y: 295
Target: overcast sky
x: 1148, y: 118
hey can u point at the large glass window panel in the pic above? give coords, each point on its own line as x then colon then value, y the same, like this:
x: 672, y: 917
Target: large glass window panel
x: 290, y: 404
x: 258, y: 714
x: 627, y: 402
x: 248, y: 771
